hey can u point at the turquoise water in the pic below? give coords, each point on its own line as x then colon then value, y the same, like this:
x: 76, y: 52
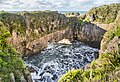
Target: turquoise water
x: 81, y: 12
x: 62, y: 12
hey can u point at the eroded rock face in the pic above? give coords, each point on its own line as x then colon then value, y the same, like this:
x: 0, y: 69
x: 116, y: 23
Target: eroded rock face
x: 31, y: 31
x: 21, y: 77
x: 41, y: 43
x: 117, y: 20
x: 90, y: 33
x: 110, y: 41
x: 110, y: 46
x: 26, y: 46
x: 113, y: 45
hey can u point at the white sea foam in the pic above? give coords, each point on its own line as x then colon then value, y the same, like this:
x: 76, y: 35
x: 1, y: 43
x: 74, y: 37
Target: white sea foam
x: 55, y: 60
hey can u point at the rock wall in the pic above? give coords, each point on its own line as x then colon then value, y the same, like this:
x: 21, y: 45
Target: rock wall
x: 28, y: 47
x: 117, y: 20
x: 34, y: 29
x: 31, y: 31
x: 109, y: 42
x: 37, y: 45
x: 115, y: 31
x: 90, y: 33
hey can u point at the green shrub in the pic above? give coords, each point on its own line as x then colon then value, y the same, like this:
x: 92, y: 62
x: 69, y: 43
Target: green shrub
x: 72, y: 76
x: 10, y: 60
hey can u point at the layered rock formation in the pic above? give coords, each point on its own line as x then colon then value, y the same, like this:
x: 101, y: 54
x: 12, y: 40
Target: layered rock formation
x: 31, y: 31
x: 110, y: 41
x: 37, y: 45
x: 90, y: 34
x: 34, y: 29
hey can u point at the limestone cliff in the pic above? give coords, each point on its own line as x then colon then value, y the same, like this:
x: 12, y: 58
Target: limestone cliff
x: 31, y: 31
x: 107, y: 40
x: 91, y: 34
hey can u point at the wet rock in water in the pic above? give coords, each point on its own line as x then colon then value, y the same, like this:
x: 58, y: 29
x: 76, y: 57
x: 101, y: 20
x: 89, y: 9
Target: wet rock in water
x: 47, y: 67
x: 54, y: 77
x: 41, y: 79
x: 41, y: 73
x: 65, y: 56
x: 31, y: 69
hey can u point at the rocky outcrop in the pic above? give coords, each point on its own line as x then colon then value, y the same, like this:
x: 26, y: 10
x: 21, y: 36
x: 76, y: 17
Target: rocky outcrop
x: 90, y: 33
x: 111, y: 25
x: 109, y: 41
x: 117, y: 20
x: 104, y: 14
x: 113, y: 45
x: 37, y: 45
x: 31, y: 31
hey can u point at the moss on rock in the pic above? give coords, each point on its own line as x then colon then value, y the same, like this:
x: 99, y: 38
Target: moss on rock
x: 72, y: 76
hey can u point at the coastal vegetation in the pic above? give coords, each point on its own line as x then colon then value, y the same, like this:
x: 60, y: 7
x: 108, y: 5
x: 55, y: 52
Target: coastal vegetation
x: 11, y: 64
x: 23, y: 31
x: 44, y: 22
x: 104, y: 14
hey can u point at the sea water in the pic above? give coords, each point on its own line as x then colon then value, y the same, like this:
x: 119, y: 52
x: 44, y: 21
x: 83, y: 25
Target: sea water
x: 57, y: 59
